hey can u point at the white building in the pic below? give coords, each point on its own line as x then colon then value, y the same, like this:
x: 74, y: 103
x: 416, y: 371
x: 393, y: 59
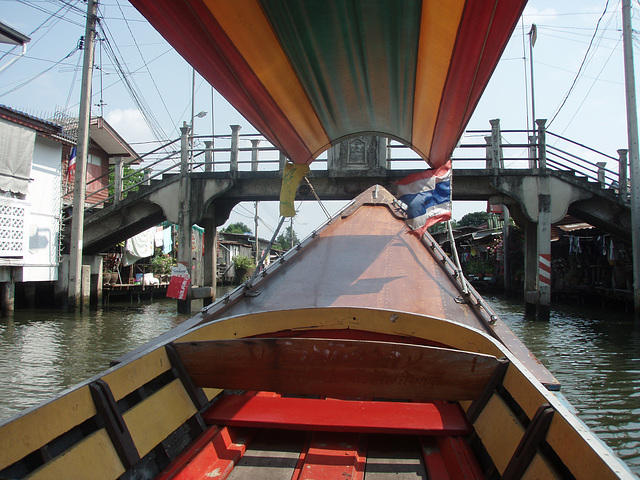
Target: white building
x: 34, y: 156
x: 30, y: 199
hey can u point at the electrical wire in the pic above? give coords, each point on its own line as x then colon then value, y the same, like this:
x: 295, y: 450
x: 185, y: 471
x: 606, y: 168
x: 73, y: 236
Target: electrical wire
x: 35, y: 77
x: 584, y: 59
x: 126, y: 76
x: 51, y: 15
x: 589, y: 91
x: 72, y: 84
x: 145, y: 65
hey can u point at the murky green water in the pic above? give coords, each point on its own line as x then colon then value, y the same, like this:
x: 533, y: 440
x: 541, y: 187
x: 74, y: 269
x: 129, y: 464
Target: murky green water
x: 44, y: 352
x: 595, y: 354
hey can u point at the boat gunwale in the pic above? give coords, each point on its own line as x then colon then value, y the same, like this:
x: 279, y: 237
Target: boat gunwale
x: 601, y: 450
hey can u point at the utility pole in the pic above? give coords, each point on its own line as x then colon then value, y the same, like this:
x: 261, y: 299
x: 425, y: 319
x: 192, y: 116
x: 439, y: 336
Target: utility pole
x: 257, y: 259
x: 634, y: 160
x: 80, y: 182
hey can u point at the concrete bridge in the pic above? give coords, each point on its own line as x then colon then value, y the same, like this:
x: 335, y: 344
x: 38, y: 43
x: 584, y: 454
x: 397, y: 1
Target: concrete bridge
x: 539, y: 183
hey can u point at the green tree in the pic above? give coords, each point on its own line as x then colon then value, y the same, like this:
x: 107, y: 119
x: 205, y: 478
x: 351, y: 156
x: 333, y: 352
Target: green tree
x: 161, y: 263
x: 243, y: 266
x: 474, y: 219
x: 237, y: 227
x: 284, y: 239
x: 131, y: 179
x: 441, y: 226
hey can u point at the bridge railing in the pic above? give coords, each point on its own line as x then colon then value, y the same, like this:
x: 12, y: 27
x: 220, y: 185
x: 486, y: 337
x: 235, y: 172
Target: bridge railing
x: 496, y: 149
x: 492, y: 149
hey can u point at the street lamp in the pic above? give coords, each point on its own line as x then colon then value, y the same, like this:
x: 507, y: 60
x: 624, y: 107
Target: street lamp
x: 198, y: 115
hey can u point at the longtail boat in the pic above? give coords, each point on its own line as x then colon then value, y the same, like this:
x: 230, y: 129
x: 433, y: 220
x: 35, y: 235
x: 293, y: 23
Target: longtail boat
x: 362, y: 353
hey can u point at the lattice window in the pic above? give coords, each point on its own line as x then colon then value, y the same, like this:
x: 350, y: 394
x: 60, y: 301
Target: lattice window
x: 12, y: 228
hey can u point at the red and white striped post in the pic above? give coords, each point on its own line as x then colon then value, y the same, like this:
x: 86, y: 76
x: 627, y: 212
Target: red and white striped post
x: 544, y: 269
x: 544, y: 230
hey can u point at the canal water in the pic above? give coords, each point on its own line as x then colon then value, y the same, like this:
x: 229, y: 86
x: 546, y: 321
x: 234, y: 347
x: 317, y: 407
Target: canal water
x: 594, y: 353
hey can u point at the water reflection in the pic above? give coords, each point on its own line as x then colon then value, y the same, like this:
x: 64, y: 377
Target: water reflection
x: 44, y: 352
x: 595, y: 354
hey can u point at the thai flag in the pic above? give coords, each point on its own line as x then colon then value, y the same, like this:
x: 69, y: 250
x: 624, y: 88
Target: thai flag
x: 71, y: 166
x: 427, y: 196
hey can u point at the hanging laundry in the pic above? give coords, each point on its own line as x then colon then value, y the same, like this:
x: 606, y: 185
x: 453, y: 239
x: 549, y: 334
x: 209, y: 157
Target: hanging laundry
x: 167, y: 241
x: 158, y: 238
x: 138, y: 247
x: 574, y: 245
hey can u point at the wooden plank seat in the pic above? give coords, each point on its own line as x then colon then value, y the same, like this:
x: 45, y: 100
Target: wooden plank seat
x: 333, y: 415
x: 338, y: 368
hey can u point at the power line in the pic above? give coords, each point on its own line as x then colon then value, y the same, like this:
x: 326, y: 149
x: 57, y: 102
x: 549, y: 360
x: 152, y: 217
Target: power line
x: 55, y: 14
x: 145, y: 64
x: 112, y: 52
x: 564, y: 101
x: 51, y: 15
x: 73, y: 81
x: 589, y: 91
x: 39, y: 74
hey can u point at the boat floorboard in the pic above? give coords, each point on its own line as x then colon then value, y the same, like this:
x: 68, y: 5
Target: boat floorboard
x: 273, y: 455
x: 280, y: 455
x: 394, y: 456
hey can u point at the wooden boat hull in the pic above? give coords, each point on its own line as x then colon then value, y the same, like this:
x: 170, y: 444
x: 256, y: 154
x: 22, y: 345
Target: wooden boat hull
x: 318, y: 391
x: 159, y: 407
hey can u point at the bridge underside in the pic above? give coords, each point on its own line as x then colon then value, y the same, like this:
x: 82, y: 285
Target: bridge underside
x: 536, y: 197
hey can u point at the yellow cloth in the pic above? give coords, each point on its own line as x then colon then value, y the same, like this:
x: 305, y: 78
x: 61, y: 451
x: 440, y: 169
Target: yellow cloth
x: 291, y: 177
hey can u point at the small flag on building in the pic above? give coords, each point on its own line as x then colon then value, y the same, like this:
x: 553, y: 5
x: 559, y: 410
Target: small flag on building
x: 71, y: 166
x: 427, y: 196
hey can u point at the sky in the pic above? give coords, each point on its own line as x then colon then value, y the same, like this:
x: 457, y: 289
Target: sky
x: 578, y: 77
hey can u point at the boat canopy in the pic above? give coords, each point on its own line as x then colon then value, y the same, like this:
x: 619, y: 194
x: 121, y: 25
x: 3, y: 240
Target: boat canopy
x: 308, y: 74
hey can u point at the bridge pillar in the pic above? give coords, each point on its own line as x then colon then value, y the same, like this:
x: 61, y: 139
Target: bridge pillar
x: 184, y: 214
x: 208, y: 156
x: 544, y: 251
x: 255, y: 143
x: 497, y: 161
x: 530, y: 266
x: 117, y: 180
x: 623, y: 177
x: 538, y: 243
x: 233, y: 154
x: 210, y: 257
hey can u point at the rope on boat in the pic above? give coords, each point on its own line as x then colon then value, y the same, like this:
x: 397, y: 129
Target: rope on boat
x: 313, y: 190
x: 456, y: 259
x: 259, y: 267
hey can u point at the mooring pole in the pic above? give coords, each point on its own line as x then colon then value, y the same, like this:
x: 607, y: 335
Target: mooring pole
x: 634, y: 160
x: 80, y: 181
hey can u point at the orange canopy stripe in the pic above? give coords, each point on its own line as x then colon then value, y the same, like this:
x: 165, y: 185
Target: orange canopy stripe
x: 308, y: 74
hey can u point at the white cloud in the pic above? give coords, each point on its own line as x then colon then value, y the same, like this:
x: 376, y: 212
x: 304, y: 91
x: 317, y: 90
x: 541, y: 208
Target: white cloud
x: 130, y: 125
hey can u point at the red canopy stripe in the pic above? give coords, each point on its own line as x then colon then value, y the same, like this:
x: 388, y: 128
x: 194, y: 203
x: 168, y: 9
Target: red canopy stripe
x: 483, y: 33
x: 189, y: 26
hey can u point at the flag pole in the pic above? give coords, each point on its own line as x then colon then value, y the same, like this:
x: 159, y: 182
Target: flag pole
x: 533, y: 35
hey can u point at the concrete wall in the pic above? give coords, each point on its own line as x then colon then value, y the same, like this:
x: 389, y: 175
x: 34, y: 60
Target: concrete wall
x: 43, y: 223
